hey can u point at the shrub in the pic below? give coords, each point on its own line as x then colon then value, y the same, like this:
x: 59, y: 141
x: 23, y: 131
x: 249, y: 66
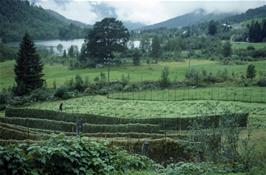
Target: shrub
x: 183, y: 168
x: 62, y: 92
x: 40, y: 95
x: 131, y: 87
x: 251, y: 71
x: 262, y: 82
x: 19, y: 100
x: 13, y: 161
x: 136, y: 57
x: 3, y: 98
x: 117, y: 86
x: 79, y: 84
x: 165, y: 82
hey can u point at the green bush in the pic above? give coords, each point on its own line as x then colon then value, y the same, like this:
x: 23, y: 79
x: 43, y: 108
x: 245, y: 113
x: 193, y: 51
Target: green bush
x: 40, y: 95
x: 183, y: 168
x: 13, y: 161
x: 262, y: 82
x: 59, y: 155
x: 62, y: 92
x: 3, y: 98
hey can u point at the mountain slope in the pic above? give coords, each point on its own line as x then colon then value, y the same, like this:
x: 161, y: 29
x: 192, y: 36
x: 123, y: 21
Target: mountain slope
x: 18, y: 17
x: 195, y: 17
x: 69, y: 21
x: 133, y: 25
x: 250, y: 14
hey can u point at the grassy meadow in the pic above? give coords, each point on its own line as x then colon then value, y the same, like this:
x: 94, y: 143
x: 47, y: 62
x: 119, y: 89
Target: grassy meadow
x: 244, y: 45
x: 60, y: 73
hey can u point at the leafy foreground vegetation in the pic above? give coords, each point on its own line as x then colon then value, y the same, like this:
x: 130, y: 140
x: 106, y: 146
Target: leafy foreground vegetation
x: 60, y: 155
x: 80, y: 155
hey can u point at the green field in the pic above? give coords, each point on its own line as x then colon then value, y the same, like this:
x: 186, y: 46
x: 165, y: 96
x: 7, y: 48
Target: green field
x: 61, y: 73
x: 244, y: 45
x: 144, y: 109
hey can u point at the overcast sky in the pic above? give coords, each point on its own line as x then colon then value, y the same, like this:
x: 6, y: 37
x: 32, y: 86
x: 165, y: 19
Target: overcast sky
x: 143, y: 11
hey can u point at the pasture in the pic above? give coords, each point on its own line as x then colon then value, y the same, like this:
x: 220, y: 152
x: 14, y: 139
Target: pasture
x: 177, y: 70
x: 244, y: 45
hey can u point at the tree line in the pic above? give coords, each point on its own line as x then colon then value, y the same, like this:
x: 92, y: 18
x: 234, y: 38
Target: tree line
x: 257, y: 31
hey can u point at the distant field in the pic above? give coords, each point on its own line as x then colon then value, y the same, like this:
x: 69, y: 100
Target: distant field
x: 244, y: 45
x: 60, y: 73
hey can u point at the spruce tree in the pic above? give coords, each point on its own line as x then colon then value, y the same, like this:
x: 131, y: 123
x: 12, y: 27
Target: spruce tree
x: 156, y: 48
x: 227, y: 49
x: 136, y: 57
x: 28, y: 68
x: 257, y: 32
x: 264, y: 30
x: 251, y: 72
x: 212, y: 28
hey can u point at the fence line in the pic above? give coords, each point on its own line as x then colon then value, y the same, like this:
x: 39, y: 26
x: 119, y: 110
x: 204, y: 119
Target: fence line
x: 244, y: 94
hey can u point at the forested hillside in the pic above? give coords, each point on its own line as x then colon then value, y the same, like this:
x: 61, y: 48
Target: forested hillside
x: 17, y: 17
x: 195, y: 17
x: 248, y: 15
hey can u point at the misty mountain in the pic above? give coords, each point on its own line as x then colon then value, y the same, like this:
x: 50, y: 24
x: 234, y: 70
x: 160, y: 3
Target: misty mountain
x: 18, y: 17
x: 133, y: 25
x: 195, y: 17
x: 250, y: 14
x: 66, y: 20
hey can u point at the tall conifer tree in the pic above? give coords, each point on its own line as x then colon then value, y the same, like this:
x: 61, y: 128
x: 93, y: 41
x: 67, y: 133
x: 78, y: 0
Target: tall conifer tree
x: 28, y: 68
x: 264, y: 30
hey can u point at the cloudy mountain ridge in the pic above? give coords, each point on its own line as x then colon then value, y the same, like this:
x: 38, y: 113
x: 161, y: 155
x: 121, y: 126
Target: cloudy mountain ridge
x: 195, y: 17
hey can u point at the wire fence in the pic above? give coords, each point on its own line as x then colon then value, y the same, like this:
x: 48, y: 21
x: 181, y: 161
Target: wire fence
x: 242, y: 94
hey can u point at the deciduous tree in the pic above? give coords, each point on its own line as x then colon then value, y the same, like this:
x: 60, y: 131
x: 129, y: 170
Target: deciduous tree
x: 106, y: 37
x: 251, y: 72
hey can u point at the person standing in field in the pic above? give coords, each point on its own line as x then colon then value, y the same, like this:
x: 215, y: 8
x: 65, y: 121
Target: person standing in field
x: 61, y: 107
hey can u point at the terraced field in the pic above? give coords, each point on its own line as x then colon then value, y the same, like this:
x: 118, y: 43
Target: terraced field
x: 101, y: 105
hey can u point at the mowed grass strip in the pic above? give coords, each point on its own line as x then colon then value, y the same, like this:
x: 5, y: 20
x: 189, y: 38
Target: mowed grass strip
x: 60, y: 73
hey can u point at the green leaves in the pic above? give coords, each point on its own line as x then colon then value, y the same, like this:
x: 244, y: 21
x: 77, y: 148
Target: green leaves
x: 72, y: 155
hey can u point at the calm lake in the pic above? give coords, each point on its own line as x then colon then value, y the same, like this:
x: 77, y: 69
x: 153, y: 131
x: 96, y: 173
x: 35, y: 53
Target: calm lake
x: 51, y: 44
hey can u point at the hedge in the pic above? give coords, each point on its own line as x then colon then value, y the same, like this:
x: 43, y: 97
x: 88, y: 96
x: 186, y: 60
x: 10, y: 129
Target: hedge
x: 160, y: 150
x: 178, y: 123
x: 14, y: 141
x: 8, y: 133
x: 137, y: 135
x: 71, y: 126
